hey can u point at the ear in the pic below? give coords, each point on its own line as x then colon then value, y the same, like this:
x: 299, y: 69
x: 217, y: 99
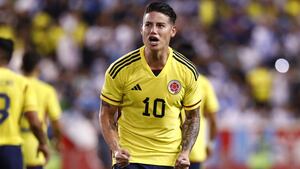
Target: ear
x: 173, y: 31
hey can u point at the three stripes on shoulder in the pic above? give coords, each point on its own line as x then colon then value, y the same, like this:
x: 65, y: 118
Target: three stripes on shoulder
x: 125, y: 61
x: 136, y: 87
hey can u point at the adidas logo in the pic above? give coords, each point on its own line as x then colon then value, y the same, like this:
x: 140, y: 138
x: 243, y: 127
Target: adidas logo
x: 136, y: 87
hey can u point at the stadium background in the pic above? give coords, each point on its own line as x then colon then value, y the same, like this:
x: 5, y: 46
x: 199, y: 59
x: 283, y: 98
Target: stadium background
x: 249, y: 49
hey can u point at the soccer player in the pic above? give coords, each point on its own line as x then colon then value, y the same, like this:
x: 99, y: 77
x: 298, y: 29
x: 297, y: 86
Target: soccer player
x: 205, y: 141
x: 16, y: 97
x: 150, y: 86
x: 48, y: 108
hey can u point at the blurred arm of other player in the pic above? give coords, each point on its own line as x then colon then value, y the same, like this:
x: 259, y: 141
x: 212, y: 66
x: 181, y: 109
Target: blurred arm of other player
x: 211, y: 120
x: 56, y: 126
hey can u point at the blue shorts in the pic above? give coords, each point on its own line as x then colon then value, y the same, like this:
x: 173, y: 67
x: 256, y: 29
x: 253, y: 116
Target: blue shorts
x: 195, y: 165
x: 11, y: 157
x: 142, y: 166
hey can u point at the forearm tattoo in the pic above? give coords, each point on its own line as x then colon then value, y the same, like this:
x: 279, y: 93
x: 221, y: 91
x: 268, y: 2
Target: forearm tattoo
x: 190, y: 129
x: 112, y: 110
x: 108, y: 125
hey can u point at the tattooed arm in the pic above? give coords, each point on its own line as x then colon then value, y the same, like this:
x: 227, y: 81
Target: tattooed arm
x: 110, y: 133
x: 190, y: 131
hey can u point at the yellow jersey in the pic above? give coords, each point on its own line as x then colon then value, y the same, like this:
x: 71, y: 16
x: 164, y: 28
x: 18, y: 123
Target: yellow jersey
x: 16, y: 96
x: 149, y: 125
x: 48, y: 107
x: 210, y: 104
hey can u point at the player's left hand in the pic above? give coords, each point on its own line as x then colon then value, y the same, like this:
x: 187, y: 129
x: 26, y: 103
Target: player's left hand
x: 182, y: 161
x: 45, y: 150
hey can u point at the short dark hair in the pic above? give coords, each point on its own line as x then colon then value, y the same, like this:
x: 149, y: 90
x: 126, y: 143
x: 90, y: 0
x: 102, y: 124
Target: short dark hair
x: 7, y: 46
x: 162, y: 7
x: 30, y: 61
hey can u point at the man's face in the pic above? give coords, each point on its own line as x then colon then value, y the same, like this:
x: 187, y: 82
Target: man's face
x: 157, y: 30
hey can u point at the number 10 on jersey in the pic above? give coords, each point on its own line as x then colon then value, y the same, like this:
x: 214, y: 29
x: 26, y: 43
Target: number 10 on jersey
x: 156, y: 104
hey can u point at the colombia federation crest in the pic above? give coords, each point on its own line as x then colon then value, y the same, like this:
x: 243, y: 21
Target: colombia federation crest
x: 174, y: 86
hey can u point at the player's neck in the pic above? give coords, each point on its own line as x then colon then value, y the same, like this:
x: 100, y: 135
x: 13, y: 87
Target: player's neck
x: 156, y: 59
x: 34, y: 73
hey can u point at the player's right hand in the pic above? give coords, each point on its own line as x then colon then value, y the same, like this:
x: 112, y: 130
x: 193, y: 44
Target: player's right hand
x: 45, y: 150
x: 182, y: 161
x: 122, y: 157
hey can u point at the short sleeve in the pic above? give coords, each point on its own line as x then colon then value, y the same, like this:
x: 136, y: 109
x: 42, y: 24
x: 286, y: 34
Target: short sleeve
x: 111, y: 91
x: 30, y: 98
x: 211, y: 102
x: 54, y: 109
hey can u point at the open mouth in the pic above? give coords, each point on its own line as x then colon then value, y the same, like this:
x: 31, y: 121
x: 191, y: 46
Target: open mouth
x: 153, y: 39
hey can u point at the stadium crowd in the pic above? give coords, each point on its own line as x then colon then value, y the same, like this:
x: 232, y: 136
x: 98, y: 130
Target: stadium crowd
x: 235, y: 43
